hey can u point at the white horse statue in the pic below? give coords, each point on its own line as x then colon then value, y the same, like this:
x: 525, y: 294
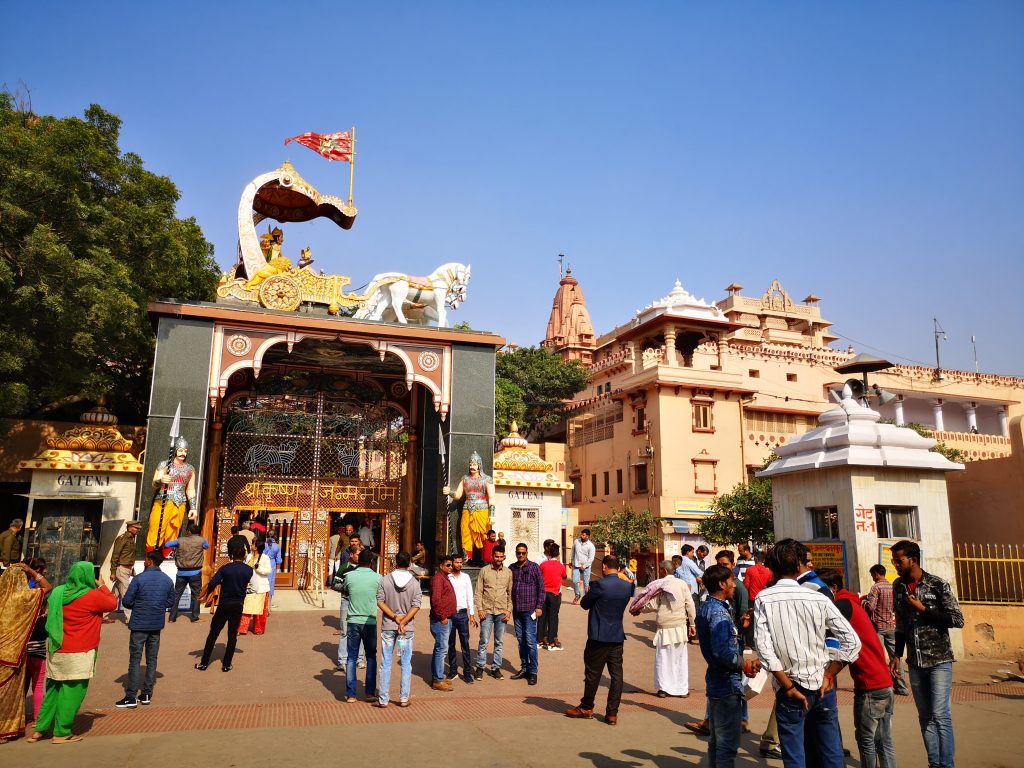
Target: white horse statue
x: 394, y: 294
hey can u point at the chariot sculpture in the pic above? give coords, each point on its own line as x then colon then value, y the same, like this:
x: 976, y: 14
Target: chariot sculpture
x: 263, y: 275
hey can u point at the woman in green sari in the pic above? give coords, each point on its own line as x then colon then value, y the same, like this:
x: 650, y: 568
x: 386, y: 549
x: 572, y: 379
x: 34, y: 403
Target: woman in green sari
x: 73, y: 625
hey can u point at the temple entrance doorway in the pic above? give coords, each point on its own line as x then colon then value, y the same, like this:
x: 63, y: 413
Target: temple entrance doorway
x: 305, y: 452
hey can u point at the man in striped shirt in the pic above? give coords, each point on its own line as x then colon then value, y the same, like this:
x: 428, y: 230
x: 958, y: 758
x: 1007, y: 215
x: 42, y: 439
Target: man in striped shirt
x: 790, y: 622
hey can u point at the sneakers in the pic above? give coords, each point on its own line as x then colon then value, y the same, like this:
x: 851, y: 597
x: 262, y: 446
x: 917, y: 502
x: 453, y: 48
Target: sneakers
x: 453, y: 672
x: 468, y: 678
x: 555, y: 646
x: 496, y: 674
x: 145, y: 699
x: 479, y: 674
x: 128, y: 702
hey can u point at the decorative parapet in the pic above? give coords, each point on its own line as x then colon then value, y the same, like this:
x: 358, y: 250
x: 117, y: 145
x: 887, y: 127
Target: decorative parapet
x: 976, y: 447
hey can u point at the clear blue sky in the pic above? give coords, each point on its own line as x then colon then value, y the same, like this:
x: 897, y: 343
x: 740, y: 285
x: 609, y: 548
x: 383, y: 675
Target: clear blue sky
x: 871, y: 153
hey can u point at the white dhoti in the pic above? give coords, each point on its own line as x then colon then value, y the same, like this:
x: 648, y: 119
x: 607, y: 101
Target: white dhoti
x: 671, y: 661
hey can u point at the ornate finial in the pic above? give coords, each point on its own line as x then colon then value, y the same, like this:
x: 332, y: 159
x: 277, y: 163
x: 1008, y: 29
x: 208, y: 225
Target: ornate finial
x: 99, y: 415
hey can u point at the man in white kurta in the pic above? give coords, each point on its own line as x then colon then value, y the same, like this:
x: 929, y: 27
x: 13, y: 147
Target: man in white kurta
x: 676, y: 616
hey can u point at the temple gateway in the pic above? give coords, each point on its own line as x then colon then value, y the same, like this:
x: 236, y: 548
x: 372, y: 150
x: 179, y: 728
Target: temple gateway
x: 303, y: 418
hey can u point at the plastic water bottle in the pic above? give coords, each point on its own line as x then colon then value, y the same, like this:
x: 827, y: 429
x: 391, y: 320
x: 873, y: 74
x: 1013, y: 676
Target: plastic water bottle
x: 401, y: 643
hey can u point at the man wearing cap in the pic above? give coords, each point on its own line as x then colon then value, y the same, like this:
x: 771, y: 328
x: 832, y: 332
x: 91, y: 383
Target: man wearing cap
x: 10, y: 545
x: 122, y: 563
x: 175, y: 487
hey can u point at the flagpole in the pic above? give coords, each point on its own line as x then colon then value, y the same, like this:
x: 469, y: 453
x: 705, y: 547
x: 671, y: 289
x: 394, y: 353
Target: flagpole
x: 352, y: 167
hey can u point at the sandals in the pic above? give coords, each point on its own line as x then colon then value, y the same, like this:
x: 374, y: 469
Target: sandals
x: 202, y: 667
x: 225, y: 669
x: 66, y: 739
x: 37, y: 736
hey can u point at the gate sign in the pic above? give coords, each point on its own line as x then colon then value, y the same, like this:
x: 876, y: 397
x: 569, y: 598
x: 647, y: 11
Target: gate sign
x: 829, y: 554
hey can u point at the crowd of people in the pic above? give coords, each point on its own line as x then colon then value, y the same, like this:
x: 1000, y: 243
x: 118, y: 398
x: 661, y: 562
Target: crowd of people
x: 754, y: 615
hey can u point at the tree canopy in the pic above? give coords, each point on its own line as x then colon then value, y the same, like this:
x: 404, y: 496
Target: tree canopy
x: 532, y: 384
x: 88, y: 237
x: 743, y: 514
x: 624, y: 529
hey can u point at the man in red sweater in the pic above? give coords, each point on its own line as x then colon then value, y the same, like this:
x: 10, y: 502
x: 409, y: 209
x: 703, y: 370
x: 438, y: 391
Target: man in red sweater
x: 442, y: 608
x: 756, y: 577
x: 547, y: 625
x: 873, y: 696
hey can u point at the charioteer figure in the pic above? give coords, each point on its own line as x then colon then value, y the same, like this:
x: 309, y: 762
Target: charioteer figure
x: 175, y: 486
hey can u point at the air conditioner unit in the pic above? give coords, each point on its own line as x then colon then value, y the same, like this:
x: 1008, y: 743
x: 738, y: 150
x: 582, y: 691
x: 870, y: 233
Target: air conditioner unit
x: 647, y: 451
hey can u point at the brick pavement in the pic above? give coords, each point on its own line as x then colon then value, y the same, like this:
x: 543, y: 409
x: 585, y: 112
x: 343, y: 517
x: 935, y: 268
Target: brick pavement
x: 285, y: 680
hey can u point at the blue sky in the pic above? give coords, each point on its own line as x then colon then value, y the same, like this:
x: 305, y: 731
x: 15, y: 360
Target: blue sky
x: 870, y: 153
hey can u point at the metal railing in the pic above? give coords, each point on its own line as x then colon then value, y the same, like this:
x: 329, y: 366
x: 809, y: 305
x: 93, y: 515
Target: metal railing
x: 989, y: 573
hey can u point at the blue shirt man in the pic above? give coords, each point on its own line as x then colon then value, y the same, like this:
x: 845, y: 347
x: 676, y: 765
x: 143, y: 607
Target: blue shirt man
x: 689, y: 571
x: 722, y: 648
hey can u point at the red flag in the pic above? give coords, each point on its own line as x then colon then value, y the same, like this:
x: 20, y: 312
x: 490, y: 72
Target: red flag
x: 333, y: 146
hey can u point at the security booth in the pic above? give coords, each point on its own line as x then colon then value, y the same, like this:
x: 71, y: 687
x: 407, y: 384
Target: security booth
x: 84, y: 489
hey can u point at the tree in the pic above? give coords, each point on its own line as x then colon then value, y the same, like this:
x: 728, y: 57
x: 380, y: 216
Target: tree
x: 625, y: 529
x: 743, y: 514
x: 531, y: 387
x: 88, y: 237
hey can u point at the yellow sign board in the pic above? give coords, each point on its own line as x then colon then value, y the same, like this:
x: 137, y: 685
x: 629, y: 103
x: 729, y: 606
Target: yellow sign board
x: 693, y: 507
x: 829, y: 554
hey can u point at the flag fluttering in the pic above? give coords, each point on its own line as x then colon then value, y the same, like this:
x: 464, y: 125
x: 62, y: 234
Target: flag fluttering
x: 333, y: 146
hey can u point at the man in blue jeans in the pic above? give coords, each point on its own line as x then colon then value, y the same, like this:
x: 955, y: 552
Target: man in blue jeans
x: 722, y: 647
x: 926, y: 609
x: 398, y: 598
x: 582, y: 559
x: 494, y: 602
x: 149, y: 596
x: 361, y: 585
x: 442, y: 608
x: 790, y: 622
x: 527, y: 606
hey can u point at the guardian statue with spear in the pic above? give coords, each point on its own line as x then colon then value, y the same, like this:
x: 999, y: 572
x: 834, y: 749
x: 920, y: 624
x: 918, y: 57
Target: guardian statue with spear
x: 175, y: 484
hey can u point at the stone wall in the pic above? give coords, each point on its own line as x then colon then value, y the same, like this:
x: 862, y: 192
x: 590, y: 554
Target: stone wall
x: 994, y: 631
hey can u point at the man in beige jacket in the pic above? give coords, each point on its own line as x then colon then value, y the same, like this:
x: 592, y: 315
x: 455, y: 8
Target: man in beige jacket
x: 494, y: 609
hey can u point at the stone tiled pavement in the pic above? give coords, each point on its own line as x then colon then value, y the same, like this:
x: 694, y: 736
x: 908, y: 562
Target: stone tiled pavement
x: 284, y: 695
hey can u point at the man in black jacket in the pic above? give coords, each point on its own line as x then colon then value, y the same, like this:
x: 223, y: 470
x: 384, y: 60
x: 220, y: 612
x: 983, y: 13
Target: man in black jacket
x: 607, y: 600
x: 926, y: 610
x: 232, y: 578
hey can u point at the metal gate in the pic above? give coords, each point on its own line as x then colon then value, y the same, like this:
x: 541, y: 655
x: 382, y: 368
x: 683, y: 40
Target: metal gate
x: 299, y: 460
x: 66, y: 533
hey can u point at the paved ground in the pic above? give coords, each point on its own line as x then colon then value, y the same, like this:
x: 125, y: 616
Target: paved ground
x: 281, y: 703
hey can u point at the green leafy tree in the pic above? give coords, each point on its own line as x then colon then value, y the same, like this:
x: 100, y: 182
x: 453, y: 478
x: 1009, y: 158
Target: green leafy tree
x: 625, y: 529
x: 88, y: 237
x: 742, y: 514
x: 532, y: 385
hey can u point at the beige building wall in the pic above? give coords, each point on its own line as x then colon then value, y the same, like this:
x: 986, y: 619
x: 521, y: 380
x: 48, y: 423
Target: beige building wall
x: 766, y: 366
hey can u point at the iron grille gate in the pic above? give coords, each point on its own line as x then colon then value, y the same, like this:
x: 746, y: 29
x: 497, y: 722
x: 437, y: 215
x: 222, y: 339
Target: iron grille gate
x: 304, y: 462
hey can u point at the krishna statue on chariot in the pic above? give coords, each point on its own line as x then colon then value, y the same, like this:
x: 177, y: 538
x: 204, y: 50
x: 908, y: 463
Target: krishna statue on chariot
x: 265, y: 276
